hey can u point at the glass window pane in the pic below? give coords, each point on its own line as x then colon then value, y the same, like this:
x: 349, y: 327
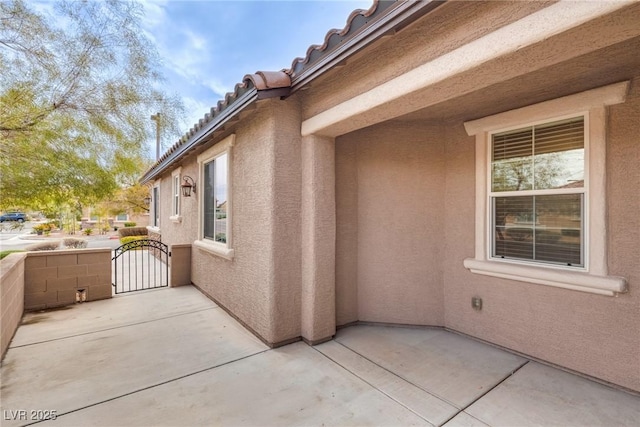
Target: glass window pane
x: 513, y: 222
x: 156, y: 207
x: 176, y: 195
x: 559, y: 170
x: 559, y: 154
x: 209, y: 201
x: 512, y: 162
x: 558, y: 230
x: 539, y: 228
x: 221, y: 199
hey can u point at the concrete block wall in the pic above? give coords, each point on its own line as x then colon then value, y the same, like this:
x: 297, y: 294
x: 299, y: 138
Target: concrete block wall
x: 11, y: 297
x: 52, y: 278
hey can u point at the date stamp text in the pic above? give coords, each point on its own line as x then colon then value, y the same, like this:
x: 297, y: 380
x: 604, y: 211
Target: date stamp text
x: 29, y: 414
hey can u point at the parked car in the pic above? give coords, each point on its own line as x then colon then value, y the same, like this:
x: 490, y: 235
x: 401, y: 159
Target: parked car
x: 14, y: 216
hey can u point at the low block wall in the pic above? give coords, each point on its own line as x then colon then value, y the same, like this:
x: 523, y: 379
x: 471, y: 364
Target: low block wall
x: 52, y: 278
x: 12, y: 297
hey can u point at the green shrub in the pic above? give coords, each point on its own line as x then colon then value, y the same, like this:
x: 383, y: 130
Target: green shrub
x: 47, y: 245
x: 40, y: 228
x: 74, y: 243
x: 133, y: 231
x: 129, y: 224
x: 88, y: 231
x: 128, y: 239
x: 8, y: 252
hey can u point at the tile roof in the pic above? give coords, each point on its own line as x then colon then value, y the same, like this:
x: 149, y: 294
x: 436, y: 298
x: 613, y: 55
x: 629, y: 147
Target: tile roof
x: 265, y: 84
x: 357, y: 19
x: 259, y: 81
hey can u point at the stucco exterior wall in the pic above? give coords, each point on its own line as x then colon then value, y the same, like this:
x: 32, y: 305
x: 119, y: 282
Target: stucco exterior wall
x: 184, y: 230
x: 285, y: 193
x: 597, y: 335
x: 391, y: 211
x: 405, y: 196
x: 346, y: 164
x: 261, y: 284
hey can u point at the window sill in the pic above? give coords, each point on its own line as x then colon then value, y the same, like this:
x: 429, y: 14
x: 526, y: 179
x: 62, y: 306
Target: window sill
x: 574, y: 280
x: 176, y: 218
x: 213, y: 248
x: 153, y: 229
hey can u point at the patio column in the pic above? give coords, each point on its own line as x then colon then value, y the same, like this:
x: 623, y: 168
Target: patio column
x: 318, y: 321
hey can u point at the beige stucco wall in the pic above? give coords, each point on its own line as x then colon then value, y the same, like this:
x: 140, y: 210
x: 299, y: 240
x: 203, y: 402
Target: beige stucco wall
x: 405, y: 209
x: 597, y: 335
x: 389, y: 182
x: 11, y: 297
x: 406, y: 219
x: 261, y: 284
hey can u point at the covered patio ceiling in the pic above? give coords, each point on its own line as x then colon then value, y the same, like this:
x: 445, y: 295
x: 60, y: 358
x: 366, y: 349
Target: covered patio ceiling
x: 615, y: 63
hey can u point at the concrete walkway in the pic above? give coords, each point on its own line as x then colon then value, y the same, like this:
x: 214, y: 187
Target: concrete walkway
x: 172, y: 357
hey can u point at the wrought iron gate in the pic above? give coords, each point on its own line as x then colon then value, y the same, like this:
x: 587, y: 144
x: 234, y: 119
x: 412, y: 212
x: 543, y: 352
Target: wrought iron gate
x: 141, y: 264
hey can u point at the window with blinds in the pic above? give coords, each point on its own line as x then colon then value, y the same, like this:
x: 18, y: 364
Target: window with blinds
x: 537, y: 193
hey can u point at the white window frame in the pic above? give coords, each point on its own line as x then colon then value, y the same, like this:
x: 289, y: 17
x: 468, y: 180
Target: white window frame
x: 224, y: 250
x: 175, y: 196
x: 531, y: 192
x: 593, y: 277
x: 155, y: 227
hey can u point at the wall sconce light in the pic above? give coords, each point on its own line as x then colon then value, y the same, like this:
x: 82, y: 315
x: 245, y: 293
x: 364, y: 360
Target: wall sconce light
x: 147, y: 200
x: 188, y: 184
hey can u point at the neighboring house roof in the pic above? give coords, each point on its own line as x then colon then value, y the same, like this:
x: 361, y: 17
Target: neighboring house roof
x: 362, y: 28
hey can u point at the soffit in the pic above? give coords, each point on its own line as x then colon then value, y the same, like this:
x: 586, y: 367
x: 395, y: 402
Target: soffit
x: 615, y: 63
x: 430, y: 87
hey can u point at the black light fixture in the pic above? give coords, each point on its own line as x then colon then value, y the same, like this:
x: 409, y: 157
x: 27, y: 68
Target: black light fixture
x: 188, y: 184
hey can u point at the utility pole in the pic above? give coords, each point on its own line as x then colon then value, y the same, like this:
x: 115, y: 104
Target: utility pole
x: 156, y: 118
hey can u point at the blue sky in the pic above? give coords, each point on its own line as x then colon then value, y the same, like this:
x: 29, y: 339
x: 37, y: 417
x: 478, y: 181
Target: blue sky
x: 207, y: 46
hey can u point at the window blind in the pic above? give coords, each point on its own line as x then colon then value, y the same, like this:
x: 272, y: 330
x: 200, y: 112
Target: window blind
x: 564, y: 135
x: 544, y: 156
x: 544, y: 228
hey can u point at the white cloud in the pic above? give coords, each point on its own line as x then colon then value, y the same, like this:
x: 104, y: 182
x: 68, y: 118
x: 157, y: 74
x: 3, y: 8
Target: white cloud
x: 217, y: 86
x: 154, y: 13
x: 196, y: 108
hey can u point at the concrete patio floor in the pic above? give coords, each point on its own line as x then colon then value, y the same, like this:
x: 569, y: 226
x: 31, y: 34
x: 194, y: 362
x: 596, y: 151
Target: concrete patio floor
x: 172, y: 357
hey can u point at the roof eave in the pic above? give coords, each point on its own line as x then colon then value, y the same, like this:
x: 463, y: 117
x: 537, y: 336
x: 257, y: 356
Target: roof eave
x: 393, y: 18
x: 202, y: 134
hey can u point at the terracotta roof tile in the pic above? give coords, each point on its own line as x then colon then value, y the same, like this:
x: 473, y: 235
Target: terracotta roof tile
x: 270, y: 80
x: 357, y: 19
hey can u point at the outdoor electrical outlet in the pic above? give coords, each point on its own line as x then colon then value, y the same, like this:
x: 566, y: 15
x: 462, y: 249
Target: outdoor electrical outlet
x: 476, y: 303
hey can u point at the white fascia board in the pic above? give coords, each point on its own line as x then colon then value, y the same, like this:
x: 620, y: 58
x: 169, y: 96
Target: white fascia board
x: 534, y: 28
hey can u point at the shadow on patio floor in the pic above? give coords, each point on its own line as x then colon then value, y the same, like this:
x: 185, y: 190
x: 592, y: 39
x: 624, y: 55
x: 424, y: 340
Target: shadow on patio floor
x: 172, y: 357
